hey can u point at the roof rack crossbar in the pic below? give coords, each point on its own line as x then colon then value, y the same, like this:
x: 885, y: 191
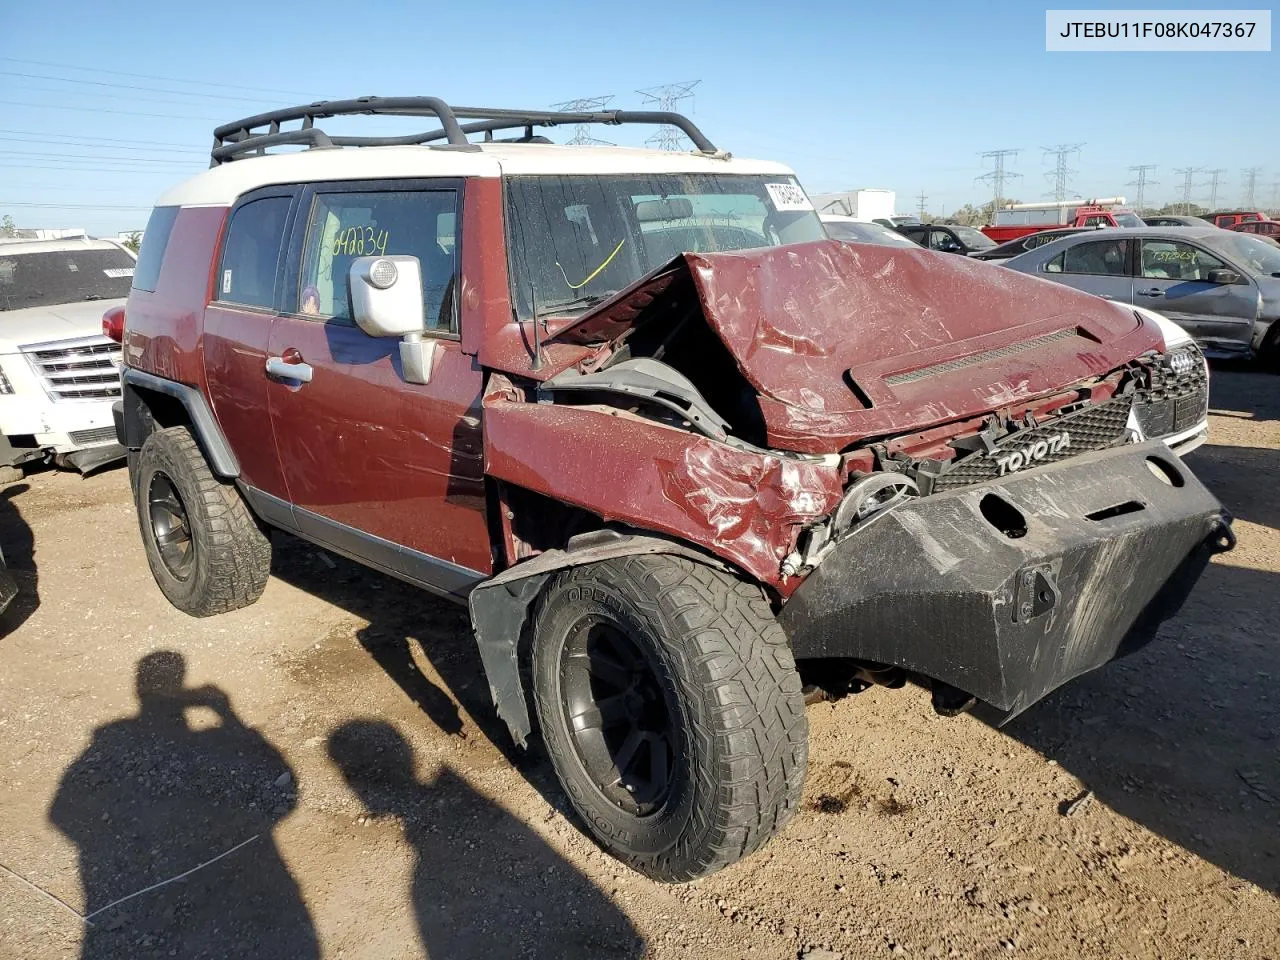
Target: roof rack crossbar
x: 242, y: 137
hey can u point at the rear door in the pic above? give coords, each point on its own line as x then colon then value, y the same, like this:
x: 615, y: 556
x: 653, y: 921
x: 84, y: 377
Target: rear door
x: 1099, y: 267
x: 237, y: 331
x: 382, y: 469
x: 1174, y: 280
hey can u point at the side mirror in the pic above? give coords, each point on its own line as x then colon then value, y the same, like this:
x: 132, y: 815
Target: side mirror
x: 386, y: 301
x: 1223, y: 276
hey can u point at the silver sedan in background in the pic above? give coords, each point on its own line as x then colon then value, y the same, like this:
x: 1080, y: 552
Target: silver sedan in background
x: 1222, y: 287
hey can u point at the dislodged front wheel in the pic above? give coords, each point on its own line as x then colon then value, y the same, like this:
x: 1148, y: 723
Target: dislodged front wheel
x: 671, y: 708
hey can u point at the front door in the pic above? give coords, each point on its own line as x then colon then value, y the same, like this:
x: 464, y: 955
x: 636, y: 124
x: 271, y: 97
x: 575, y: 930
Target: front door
x: 1173, y: 279
x: 382, y: 469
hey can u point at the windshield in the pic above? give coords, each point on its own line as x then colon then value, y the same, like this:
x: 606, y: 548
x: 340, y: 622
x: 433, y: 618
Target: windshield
x: 575, y: 240
x: 68, y: 276
x: 973, y: 239
x: 1249, y: 252
x: 1128, y: 220
x: 866, y: 233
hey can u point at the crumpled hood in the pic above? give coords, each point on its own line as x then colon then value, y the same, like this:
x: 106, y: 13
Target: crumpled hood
x: 62, y: 321
x: 845, y: 342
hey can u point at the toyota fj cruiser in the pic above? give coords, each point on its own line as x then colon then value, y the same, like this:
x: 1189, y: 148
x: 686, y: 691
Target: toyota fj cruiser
x: 662, y: 436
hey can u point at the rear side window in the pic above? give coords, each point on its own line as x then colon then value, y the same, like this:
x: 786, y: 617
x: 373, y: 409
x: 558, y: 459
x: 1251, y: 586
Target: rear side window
x: 155, y: 240
x: 251, y: 255
x: 1100, y: 257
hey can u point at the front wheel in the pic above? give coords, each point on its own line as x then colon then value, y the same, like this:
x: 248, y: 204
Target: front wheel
x: 672, y: 711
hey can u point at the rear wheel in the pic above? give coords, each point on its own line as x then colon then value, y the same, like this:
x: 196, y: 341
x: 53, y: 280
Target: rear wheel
x: 203, y: 545
x: 671, y: 708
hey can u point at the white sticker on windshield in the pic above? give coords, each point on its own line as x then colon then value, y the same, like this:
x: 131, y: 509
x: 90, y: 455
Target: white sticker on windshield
x: 226, y: 281
x: 115, y: 273
x: 787, y: 196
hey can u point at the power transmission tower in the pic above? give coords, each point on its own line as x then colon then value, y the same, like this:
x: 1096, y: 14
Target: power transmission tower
x: 1215, y: 176
x: 1275, y: 198
x: 1188, y: 175
x: 997, y: 175
x: 1141, y: 184
x: 1250, y: 177
x: 922, y: 198
x: 1060, y: 173
x: 582, y: 131
x: 668, y: 97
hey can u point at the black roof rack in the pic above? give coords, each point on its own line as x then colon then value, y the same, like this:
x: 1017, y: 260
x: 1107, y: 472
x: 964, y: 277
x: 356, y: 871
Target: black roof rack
x: 253, y: 135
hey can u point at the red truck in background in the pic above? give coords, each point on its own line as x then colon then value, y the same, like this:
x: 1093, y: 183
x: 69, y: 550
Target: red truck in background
x: 1232, y: 219
x: 1019, y: 219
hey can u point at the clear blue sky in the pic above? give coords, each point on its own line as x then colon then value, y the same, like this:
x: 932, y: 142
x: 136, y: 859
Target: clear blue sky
x: 902, y: 95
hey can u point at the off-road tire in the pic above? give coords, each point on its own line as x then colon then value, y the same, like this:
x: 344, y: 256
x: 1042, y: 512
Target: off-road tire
x: 232, y: 555
x: 727, y: 668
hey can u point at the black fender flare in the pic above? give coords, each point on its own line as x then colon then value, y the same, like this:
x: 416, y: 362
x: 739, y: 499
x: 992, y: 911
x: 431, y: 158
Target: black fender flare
x: 500, y: 608
x: 134, y: 421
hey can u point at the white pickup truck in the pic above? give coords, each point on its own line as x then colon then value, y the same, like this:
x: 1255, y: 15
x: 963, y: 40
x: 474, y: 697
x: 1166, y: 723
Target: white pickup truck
x: 58, y: 374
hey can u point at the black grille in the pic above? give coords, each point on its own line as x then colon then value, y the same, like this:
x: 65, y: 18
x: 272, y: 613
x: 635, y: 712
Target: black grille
x: 1091, y: 428
x: 95, y: 435
x: 1173, y: 402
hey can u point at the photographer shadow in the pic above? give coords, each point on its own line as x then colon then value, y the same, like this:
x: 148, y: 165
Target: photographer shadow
x: 484, y: 885
x: 172, y: 812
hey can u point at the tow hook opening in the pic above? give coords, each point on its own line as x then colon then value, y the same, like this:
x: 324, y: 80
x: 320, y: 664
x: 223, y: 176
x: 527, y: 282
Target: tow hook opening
x: 1003, y: 515
x: 1165, y: 472
x: 1119, y: 510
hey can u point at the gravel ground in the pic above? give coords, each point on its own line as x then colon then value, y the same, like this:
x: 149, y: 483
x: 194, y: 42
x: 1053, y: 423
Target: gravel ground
x: 334, y: 747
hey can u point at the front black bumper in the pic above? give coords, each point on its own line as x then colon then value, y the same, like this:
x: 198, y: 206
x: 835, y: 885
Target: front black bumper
x: 1010, y: 588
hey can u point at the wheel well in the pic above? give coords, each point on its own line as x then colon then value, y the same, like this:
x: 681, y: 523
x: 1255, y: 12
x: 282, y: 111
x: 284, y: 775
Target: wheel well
x: 159, y: 411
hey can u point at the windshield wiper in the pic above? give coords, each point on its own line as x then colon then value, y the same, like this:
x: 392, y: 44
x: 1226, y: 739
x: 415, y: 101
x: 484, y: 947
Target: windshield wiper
x: 590, y: 300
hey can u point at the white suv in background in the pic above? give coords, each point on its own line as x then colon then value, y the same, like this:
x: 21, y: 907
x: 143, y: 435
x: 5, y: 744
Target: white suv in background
x: 58, y: 374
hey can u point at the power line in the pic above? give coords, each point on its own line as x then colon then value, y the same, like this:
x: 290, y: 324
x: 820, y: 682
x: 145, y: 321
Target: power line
x: 151, y: 76
x: 1188, y: 174
x: 123, y: 113
x: 668, y: 97
x: 997, y: 175
x: 1061, y: 173
x: 1141, y: 184
x: 127, y: 86
x: 1249, y: 176
x: 1214, y: 177
x: 18, y: 154
x: 85, y: 136
x: 118, y: 145
x: 582, y: 131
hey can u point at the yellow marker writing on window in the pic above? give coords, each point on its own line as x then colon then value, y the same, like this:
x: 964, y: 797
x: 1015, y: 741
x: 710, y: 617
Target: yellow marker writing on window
x: 594, y: 273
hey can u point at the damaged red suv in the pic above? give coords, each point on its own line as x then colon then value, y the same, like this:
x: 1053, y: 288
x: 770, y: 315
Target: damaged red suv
x: 663, y: 437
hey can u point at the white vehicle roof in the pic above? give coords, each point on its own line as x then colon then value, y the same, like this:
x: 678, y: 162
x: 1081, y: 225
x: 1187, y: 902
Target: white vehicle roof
x: 10, y: 247
x: 221, y: 185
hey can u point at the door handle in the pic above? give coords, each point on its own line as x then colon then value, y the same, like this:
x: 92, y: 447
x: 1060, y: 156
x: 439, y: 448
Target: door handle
x: 284, y: 370
x: 1153, y: 292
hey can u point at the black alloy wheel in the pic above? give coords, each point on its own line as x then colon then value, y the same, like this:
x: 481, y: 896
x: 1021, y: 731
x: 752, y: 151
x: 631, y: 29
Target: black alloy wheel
x: 620, y: 716
x: 170, y: 526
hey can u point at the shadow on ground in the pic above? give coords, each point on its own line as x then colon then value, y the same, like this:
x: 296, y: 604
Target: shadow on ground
x: 158, y: 795
x: 1245, y: 479
x: 1243, y: 389
x: 19, y: 549
x: 402, y: 618
x: 172, y: 811
x: 1184, y: 736
x: 484, y: 884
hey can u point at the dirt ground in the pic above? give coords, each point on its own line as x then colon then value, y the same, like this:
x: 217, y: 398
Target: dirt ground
x: 335, y: 747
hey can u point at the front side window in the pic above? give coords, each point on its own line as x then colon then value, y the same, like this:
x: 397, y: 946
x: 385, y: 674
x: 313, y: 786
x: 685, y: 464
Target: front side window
x: 1174, y: 260
x: 45, y: 279
x: 1099, y: 257
x: 1226, y: 221
x: 251, y: 256
x: 575, y: 240
x: 344, y: 226
x: 942, y: 240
